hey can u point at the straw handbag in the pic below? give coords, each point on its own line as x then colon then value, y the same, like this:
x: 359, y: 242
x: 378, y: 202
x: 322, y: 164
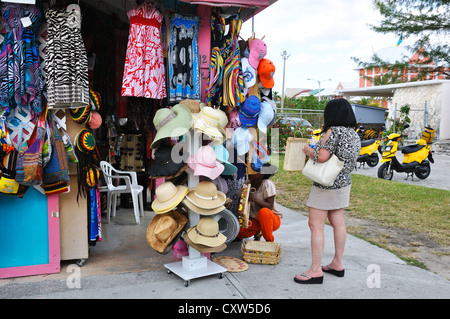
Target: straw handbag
x: 295, y: 158
x: 244, y: 206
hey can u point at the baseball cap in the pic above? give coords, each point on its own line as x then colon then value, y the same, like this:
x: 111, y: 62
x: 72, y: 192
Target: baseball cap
x: 266, y: 70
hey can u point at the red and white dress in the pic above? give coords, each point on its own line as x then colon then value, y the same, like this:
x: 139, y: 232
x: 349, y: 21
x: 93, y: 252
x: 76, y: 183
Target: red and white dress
x: 144, y: 73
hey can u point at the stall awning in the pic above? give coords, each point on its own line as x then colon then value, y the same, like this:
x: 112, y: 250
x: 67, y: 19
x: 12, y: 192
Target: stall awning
x: 233, y: 3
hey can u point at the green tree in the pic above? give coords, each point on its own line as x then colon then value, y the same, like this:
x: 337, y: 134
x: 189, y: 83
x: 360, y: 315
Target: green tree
x: 428, y: 21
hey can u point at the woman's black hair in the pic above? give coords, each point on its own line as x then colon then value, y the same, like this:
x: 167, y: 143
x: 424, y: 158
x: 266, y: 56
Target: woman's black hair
x: 338, y: 112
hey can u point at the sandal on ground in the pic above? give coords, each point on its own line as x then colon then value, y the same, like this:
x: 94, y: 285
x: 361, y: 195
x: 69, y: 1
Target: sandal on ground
x: 338, y: 273
x: 311, y: 280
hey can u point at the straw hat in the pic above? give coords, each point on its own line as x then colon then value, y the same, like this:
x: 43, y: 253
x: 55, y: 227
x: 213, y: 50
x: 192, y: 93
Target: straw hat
x: 206, y: 233
x: 172, y: 122
x: 192, y: 105
x: 203, y: 248
x: 209, y: 121
x: 168, y: 196
x: 206, y: 196
x: 204, y: 163
x: 202, y: 211
x: 232, y: 264
x: 164, y: 230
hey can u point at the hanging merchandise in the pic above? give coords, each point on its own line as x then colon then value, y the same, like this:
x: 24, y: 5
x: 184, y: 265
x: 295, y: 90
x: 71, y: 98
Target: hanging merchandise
x: 222, y: 156
x: 171, y: 122
x: 55, y: 178
x: 226, y: 82
x: 8, y: 184
x: 66, y: 59
x: 206, y: 233
x: 266, y: 71
x: 266, y: 117
x: 165, y: 165
x: 165, y: 229
x: 204, y: 163
x: 88, y: 162
x: 211, y: 122
x: 184, y: 66
x: 205, y: 199
x: 168, y: 196
x: 249, y: 111
x: 20, y: 74
x: 144, y: 72
x: 29, y: 169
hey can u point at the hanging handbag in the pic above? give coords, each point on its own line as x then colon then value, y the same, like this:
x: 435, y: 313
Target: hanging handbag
x: 29, y: 169
x: 244, y: 206
x: 294, y: 157
x: 56, y: 172
x: 324, y: 173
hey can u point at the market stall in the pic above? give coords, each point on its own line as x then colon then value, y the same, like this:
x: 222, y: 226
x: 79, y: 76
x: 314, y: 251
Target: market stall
x: 146, y: 80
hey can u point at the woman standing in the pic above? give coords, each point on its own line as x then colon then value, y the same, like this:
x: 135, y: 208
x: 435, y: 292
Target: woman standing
x: 340, y: 139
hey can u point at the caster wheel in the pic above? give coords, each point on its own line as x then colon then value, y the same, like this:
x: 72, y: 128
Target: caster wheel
x: 186, y: 283
x: 80, y: 262
x: 220, y: 275
x: 168, y: 271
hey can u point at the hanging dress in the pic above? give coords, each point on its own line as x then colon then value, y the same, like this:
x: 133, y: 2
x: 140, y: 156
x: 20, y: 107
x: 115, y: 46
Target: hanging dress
x: 226, y: 82
x: 66, y: 59
x: 184, y: 66
x: 144, y: 72
x: 21, y: 82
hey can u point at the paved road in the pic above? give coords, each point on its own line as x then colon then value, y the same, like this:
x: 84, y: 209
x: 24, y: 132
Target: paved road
x: 439, y: 176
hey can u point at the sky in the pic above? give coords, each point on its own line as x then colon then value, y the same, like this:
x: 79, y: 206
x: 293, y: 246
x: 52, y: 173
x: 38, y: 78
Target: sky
x: 320, y: 36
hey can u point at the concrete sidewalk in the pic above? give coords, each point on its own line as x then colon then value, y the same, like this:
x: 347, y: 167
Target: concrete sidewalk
x: 124, y: 266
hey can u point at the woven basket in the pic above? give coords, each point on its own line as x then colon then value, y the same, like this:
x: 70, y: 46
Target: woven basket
x: 261, y: 252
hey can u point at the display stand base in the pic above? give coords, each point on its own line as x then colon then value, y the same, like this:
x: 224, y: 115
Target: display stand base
x: 209, y: 268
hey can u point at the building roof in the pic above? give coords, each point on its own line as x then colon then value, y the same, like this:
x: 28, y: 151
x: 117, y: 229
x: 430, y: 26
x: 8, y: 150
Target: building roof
x: 393, y: 54
x: 387, y: 90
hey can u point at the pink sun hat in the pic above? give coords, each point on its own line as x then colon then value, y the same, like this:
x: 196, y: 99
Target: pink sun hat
x: 204, y: 163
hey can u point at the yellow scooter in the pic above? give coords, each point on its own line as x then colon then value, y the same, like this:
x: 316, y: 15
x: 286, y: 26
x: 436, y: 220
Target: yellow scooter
x: 416, y: 157
x: 368, y: 153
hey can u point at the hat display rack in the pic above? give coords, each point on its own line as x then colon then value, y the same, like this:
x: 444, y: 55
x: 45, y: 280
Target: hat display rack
x: 195, y: 264
x: 201, y: 199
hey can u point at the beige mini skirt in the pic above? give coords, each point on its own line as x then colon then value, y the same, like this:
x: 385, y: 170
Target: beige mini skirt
x: 329, y: 199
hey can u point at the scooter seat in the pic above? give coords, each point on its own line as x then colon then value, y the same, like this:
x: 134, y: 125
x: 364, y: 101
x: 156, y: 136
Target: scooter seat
x: 411, y: 148
x: 367, y: 142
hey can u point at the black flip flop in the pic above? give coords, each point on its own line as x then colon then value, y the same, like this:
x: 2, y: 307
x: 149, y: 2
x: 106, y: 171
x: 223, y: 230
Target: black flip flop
x: 337, y: 273
x: 311, y: 280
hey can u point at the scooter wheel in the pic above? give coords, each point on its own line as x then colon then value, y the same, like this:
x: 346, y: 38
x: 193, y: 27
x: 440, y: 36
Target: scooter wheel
x: 373, y: 160
x: 424, y: 171
x: 385, y: 171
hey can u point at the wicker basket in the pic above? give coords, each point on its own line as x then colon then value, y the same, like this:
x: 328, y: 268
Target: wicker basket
x: 261, y: 252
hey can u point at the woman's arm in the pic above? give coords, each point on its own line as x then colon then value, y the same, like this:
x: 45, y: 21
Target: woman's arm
x: 324, y: 154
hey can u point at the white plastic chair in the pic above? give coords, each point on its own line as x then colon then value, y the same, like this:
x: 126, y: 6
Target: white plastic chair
x: 131, y: 186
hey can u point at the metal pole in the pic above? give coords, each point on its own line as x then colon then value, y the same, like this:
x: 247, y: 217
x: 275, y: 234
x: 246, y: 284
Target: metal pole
x: 285, y: 56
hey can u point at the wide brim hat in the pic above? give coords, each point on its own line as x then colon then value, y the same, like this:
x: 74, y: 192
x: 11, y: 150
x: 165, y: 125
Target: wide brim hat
x: 205, y: 195
x: 168, y: 196
x: 210, y: 121
x: 204, y: 163
x: 165, y: 229
x: 165, y: 165
x: 193, y: 105
x: 222, y: 155
x: 202, y: 248
x: 171, y: 122
x: 202, y: 211
x: 206, y: 233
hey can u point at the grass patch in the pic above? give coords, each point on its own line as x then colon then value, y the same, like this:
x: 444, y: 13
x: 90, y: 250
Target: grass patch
x: 389, y: 203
